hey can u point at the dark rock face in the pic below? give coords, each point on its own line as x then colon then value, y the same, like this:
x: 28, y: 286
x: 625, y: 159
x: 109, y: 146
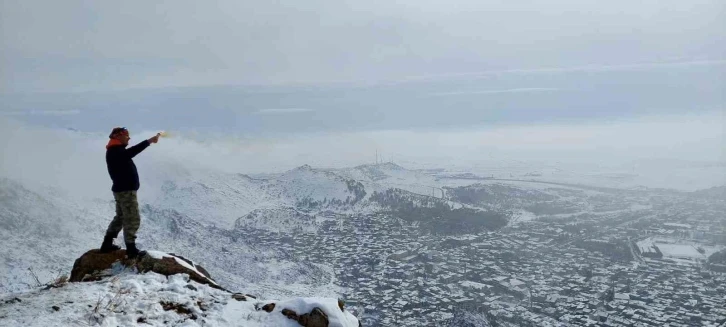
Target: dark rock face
x: 268, y: 307
x: 289, y: 314
x: 316, y: 317
x: 239, y: 297
x: 94, y: 265
x: 179, y: 308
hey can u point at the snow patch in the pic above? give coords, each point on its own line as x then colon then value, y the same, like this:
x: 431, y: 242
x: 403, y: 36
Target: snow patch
x: 160, y: 255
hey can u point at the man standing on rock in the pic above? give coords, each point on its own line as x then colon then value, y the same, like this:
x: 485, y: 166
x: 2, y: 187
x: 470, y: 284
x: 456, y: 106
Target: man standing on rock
x: 125, y: 179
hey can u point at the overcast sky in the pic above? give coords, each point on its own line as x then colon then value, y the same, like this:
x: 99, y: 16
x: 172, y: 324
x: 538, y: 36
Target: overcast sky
x: 284, y: 83
x: 105, y: 45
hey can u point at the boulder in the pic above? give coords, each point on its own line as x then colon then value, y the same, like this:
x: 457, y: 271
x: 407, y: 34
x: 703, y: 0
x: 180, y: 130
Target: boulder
x: 316, y: 317
x: 268, y: 307
x: 94, y: 265
x: 196, y: 266
x: 169, y: 265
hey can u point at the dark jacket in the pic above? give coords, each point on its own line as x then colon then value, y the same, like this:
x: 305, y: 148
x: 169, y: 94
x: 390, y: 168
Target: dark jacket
x: 122, y: 169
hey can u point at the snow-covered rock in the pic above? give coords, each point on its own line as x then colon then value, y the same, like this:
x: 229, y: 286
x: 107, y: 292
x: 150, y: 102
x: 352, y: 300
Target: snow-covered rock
x: 94, y: 265
x: 151, y: 299
x: 157, y: 289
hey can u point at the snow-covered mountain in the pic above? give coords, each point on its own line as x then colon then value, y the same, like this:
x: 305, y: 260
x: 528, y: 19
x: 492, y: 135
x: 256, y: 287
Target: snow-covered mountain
x: 383, y: 176
x: 44, y: 232
x: 204, y: 214
x: 187, y: 211
x: 221, y: 198
x: 218, y: 199
x: 307, y: 182
x: 323, y: 232
x: 281, y: 220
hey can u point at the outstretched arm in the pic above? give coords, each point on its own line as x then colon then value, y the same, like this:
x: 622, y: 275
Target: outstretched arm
x: 136, y: 149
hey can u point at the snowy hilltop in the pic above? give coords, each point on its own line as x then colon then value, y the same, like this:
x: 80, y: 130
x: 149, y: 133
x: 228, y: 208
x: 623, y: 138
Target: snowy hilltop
x: 159, y: 289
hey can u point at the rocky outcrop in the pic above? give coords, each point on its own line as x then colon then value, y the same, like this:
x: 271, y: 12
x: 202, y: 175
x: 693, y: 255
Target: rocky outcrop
x: 316, y: 317
x: 268, y: 307
x: 323, y: 312
x: 94, y: 265
x: 171, y: 265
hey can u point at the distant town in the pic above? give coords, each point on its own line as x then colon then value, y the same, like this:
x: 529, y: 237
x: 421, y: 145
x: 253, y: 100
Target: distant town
x: 645, y: 258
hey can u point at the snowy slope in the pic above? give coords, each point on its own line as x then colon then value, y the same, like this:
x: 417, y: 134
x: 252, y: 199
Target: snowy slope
x: 232, y: 259
x: 384, y: 176
x: 375, y: 172
x: 47, y: 230
x: 198, y: 212
x: 219, y: 199
x: 212, y: 198
x: 151, y: 299
x: 41, y: 231
x: 285, y: 220
x: 307, y: 182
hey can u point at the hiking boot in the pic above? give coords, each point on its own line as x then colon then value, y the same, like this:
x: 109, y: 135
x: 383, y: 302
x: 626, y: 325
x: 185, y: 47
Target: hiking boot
x: 132, y: 252
x: 108, y: 246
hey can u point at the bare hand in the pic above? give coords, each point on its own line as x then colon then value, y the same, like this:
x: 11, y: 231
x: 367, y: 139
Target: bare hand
x: 155, y: 138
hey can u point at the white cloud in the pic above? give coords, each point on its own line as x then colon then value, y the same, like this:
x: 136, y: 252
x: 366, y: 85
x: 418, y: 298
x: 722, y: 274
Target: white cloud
x: 185, y: 43
x: 40, y: 113
x: 585, y: 68
x: 516, y: 90
x: 75, y: 161
x: 278, y: 111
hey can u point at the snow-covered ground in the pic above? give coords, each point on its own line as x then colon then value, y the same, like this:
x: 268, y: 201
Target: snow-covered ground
x: 128, y: 299
x: 677, y: 249
x: 684, y: 249
x: 646, y: 246
x: 521, y: 216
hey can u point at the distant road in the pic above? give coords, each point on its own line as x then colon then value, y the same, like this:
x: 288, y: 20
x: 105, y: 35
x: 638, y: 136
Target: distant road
x: 586, y: 187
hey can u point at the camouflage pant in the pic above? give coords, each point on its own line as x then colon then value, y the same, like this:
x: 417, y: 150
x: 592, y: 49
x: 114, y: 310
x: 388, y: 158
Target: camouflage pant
x: 127, y: 216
